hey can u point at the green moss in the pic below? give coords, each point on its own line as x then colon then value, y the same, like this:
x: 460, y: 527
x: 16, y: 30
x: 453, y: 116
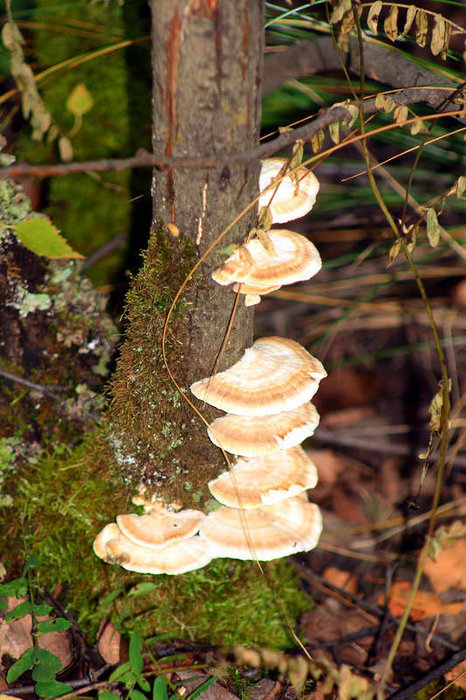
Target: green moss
x: 90, y: 209
x: 154, y: 434
x: 60, y: 502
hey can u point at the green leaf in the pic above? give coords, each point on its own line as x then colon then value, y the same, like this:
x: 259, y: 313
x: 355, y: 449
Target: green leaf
x: 135, y: 655
x: 108, y: 600
x: 19, y: 667
x: 52, y: 689
x: 202, y: 688
x: 43, y: 673
x: 80, y: 101
x: 21, y: 610
x: 31, y: 563
x: 433, y: 228
x: 142, y: 588
x: 17, y: 588
x: 159, y: 689
x: 137, y: 695
x: 120, y: 672
x: 144, y: 684
x: 41, y: 237
x: 106, y: 695
x: 48, y: 660
x: 57, y: 625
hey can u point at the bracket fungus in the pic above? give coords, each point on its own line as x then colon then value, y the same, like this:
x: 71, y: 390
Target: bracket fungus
x: 273, y: 376
x: 262, y: 481
x: 294, y: 194
x: 290, y: 258
x: 155, y: 543
x: 258, y: 269
x: 265, y: 533
x: 266, y: 396
x: 256, y: 436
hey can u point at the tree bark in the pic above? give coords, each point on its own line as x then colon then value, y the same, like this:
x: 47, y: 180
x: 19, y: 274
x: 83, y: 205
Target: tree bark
x: 207, y: 61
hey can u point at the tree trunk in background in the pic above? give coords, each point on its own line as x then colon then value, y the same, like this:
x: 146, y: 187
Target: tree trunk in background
x: 207, y: 59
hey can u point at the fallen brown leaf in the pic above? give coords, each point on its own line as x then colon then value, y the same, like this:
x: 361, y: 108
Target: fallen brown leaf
x: 340, y: 578
x: 449, y: 568
x: 457, y: 675
x: 16, y: 637
x: 329, y: 466
x: 109, y: 643
x: 425, y: 604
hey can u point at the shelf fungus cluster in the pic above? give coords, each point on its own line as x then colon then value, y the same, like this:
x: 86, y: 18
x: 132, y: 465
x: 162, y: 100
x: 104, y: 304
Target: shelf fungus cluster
x: 278, y: 256
x: 263, y: 512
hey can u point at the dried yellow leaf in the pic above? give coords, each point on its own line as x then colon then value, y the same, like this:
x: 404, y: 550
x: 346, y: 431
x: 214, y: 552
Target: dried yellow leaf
x: 389, y: 105
x: 433, y: 228
x: 421, y: 28
x: 340, y: 9
x: 390, y: 25
x: 334, y: 131
x: 410, y: 15
x: 393, y: 253
x: 417, y: 127
x: 317, y: 141
x: 401, y: 113
x: 438, y: 35
x: 380, y: 101
x: 460, y: 189
x: 373, y: 16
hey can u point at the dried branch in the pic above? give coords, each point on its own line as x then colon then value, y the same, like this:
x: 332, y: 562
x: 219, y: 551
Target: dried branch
x: 144, y: 159
x: 383, y: 63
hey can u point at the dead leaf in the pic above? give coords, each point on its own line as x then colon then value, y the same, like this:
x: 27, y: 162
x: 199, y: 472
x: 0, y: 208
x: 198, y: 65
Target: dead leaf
x: 459, y: 295
x: 346, y: 387
x: 341, y: 579
x: 109, y: 643
x: 16, y: 637
x: 448, y: 570
x: 425, y: 604
x: 347, y: 417
x: 329, y: 466
x: 457, y: 675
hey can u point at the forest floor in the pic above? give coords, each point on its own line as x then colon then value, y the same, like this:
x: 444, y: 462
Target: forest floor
x: 366, y: 324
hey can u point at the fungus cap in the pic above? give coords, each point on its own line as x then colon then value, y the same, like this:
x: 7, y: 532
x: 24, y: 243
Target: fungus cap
x: 273, y: 376
x: 265, y: 533
x: 255, y: 436
x: 290, y: 258
x: 260, y: 481
x: 109, y: 532
x: 159, y: 527
x: 177, y: 557
x: 295, y: 195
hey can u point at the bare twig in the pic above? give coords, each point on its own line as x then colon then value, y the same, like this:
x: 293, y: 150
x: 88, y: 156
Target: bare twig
x: 144, y: 159
x: 435, y: 673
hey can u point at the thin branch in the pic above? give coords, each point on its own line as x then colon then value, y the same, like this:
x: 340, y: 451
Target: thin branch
x: 432, y: 675
x: 144, y: 159
x: 384, y: 63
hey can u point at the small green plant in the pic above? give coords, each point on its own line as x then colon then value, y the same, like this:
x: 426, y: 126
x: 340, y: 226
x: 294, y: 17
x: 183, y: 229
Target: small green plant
x: 43, y: 663
x: 130, y: 674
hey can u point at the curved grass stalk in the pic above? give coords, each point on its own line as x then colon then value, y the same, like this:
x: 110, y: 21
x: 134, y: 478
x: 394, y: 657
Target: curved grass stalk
x: 444, y: 390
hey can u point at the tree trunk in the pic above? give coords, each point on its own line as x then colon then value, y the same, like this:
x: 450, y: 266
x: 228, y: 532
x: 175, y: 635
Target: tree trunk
x: 207, y: 59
